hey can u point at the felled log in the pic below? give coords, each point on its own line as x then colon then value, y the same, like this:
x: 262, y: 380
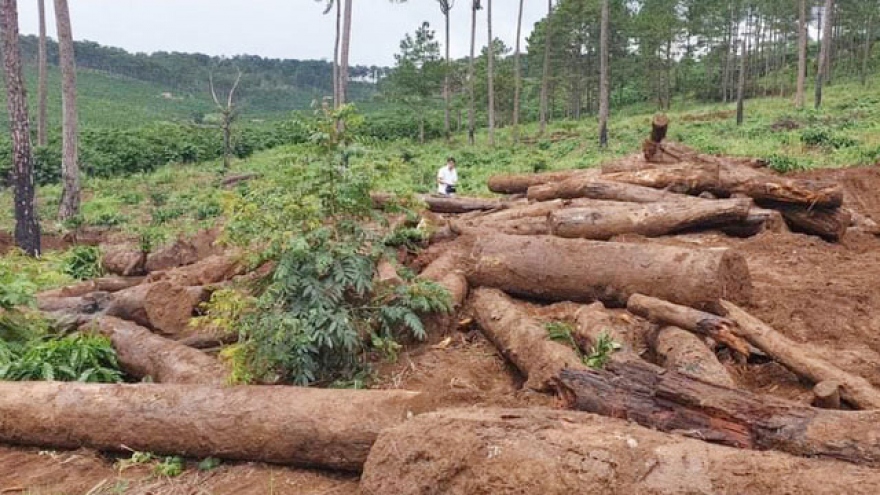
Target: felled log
x: 449, y: 269
x: 522, y: 226
x: 143, y: 354
x: 627, y: 164
x: 161, y: 306
x: 759, y: 220
x: 103, y: 284
x: 672, y: 402
x: 556, y: 269
x: 458, y: 204
x: 124, y: 260
x: 551, y: 452
x: 801, y: 360
x: 828, y: 223
x: 592, y: 188
x: 593, y: 321
x: 91, y: 303
x: 650, y: 220
x: 827, y: 395
x: 233, y: 180
x: 720, y: 329
x: 685, y: 177
x: 386, y: 274
x: 659, y: 128
x: 211, y: 270
x: 522, y: 340
x: 514, y: 184
x: 332, y: 429
x: 681, y: 351
x: 207, y: 341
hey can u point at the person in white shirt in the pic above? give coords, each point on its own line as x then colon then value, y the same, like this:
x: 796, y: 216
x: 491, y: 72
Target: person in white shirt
x: 447, y: 178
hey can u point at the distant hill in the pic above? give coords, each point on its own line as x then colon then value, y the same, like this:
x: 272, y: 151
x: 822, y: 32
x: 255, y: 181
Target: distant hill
x: 118, y: 88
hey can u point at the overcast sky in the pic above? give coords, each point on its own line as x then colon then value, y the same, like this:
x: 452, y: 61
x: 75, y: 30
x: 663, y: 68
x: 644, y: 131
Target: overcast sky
x: 275, y: 28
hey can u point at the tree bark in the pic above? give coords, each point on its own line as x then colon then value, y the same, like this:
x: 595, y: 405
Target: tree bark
x: 336, y: 54
x: 439, y: 204
x: 593, y: 321
x: 103, y: 284
x: 472, y: 109
x: 161, y: 306
x: 27, y: 228
x: 800, y: 360
x: 802, y: 53
x: 517, y: 75
x: 741, y: 86
x: 661, y: 312
x: 522, y: 340
x: 545, y: 75
x: 517, y: 184
x: 604, y: 92
x: 828, y: 223
x: 43, y: 84
x: 446, y: 125
x: 142, y: 354
x: 490, y: 73
x: 565, y: 452
x: 70, y: 194
x: 597, y: 188
x: 824, y: 51
x: 211, y: 270
x: 650, y: 220
x: 555, y: 269
x: 681, y: 351
x: 672, y: 402
x: 343, y: 63
x: 332, y: 429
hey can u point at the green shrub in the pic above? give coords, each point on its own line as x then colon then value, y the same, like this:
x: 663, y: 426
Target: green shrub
x: 81, y: 358
x: 83, y: 262
x: 784, y: 164
x: 825, y: 137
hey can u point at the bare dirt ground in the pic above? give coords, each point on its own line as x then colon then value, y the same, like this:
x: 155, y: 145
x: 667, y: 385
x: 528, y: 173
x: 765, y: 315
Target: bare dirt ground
x: 815, y: 292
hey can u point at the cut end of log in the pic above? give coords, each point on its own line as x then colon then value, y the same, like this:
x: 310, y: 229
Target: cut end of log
x: 827, y: 394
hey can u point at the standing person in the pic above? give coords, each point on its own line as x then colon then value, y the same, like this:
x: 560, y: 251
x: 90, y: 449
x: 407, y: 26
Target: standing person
x: 447, y: 178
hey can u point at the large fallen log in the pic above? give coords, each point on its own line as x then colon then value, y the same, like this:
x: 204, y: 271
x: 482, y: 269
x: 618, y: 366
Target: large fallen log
x: 514, y: 184
x: 556, y: 269
x: 211, y: 270
x: 593, y: 321
x: 331, y: 429
x: 143, y: 354
x: 549, y: 452
x: 103, y: 284
x: 124, y: 260
x: 532, y: 225
x: 161, y: 306
x: 650, y: 220
x: 593, y: 188
x: 759, y: 220
x: 445, y: 204
x: 685, y: 177
x: 720, y: 329
x: 91, y: 303
x: 522, y: 340
x: 672, y: 402
x: 801, y: 360
x: 681, y: 351
x: 828, y: 223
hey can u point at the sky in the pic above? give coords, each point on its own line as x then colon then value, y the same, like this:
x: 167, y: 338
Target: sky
x: 292, y: 29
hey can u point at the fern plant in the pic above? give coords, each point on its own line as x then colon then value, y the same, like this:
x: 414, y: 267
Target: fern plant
x: 81, y: 358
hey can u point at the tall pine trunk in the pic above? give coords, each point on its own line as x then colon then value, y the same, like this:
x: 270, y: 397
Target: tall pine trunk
x: 490, y: 53
x: 70, y: 195
x: 343, y: 63
x: 517, y: 76
x: 802, y: 54
x: 27, y: 230
x: 472, y: 107
x: 824, y: 51
x: 603, y: 77
x: 336, y: 55
x: 446, y: 124
x: 741, y: 86
x: 545, y: 77
x: 866, y: 57
x: 43, y: 86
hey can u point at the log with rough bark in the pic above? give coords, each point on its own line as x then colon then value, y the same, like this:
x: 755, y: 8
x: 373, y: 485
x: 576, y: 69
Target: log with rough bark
x: 161, y: 306
x: 593, y: 188
x: 662, y: 312
x: 627, y: 164
x: 681, y: 351
x: 593, y: 321
x: 685, y: 177
x: 211, y: 270
x: 556, y: 269
x: 532, y: 225
x: 659, y: 128
x: 332, y: 429
x: 515, y: 184
x: 103, y: 284
x: 449, y: 269
x: 672, y: 402
x: 458, y: 204
x: 522, y: 340
x: 143, y: 354
x: 550, y: 452
x: 650, y: 220
x: 91, y: 303
x: 828, y: 223
x: 124, y: 260
x: 759, y: 220
x: 800, y: 360
x: 827, y: 395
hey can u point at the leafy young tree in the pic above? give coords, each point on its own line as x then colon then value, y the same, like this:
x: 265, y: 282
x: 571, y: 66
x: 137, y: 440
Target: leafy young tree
x: 27, y: 230
x: 70, y: 195
x: 418, y: 74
